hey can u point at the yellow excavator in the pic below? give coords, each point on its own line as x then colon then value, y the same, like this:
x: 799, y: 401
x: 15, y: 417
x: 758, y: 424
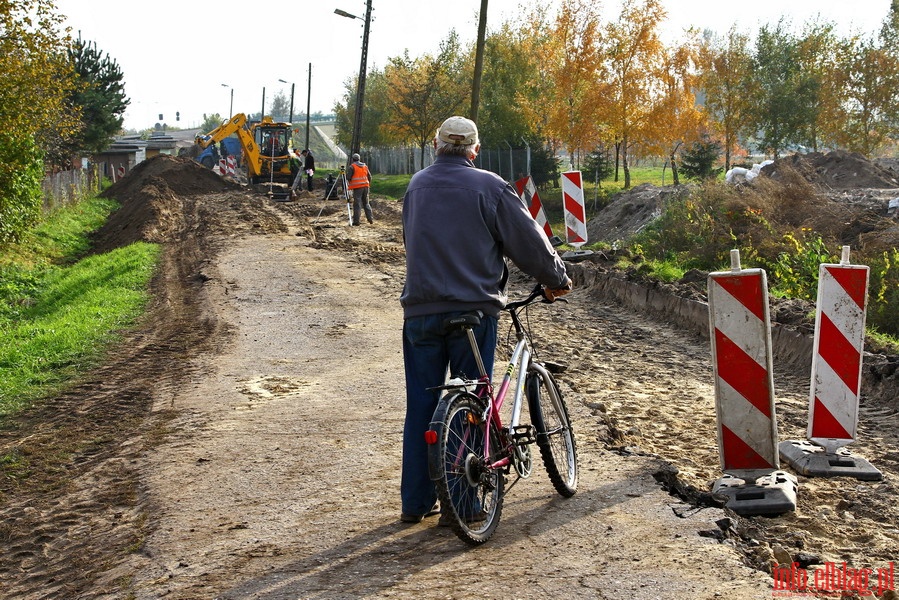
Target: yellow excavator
x: 266, y: 149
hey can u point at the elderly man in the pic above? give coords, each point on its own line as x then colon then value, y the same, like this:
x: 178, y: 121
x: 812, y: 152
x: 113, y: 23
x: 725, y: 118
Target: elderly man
x: 459, y: 222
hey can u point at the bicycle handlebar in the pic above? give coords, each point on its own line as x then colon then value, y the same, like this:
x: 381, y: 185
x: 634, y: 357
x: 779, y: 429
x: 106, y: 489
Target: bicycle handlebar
x: 538, y: 292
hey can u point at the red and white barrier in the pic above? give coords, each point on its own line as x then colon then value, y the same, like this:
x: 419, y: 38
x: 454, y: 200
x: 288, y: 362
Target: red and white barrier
x: 740, y: 331
x: 837, y: 357
x: 836, y: 377
x: 222, y: 167
x: 231, y: 165
x: 575, y: 213
x: 527, y: 191
x: 742, y: 358
x: 121, y: 171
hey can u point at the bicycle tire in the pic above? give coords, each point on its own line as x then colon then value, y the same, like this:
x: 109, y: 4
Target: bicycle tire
x: 555, y: 435
x: 471, y: 495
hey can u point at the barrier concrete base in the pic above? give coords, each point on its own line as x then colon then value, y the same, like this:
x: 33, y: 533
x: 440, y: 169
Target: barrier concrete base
x: 576, y: 255
x: 772, y: 494
x: 812, y: 460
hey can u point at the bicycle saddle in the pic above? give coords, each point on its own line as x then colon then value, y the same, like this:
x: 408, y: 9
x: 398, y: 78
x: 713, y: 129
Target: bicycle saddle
x: 472, y: 319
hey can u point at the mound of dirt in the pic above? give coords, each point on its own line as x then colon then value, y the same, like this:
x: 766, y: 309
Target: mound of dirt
x: 630, y: 211
x: 152, y: 200
x: 835, y: 170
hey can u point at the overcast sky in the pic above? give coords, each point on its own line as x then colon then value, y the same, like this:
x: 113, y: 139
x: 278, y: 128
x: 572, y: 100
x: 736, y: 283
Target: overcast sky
x: 175, y: 55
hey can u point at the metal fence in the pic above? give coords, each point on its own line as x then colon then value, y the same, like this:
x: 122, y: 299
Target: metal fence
x: 509, y: 163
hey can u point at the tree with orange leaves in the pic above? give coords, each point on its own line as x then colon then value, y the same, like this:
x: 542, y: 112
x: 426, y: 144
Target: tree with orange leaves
x: 633, y: 53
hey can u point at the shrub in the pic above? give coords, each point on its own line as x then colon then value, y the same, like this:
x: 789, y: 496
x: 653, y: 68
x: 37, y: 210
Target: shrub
x: 21, y: 171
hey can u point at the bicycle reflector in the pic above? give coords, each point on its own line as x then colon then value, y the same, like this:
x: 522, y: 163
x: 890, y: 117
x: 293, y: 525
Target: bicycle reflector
x: 430, y: 437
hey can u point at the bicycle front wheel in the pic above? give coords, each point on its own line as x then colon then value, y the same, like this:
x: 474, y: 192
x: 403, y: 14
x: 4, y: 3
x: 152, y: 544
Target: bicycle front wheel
x: 470, y: 492
x: 555, y: 436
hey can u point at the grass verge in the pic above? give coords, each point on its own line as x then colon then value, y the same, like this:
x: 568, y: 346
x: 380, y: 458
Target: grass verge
x: 60, y: 308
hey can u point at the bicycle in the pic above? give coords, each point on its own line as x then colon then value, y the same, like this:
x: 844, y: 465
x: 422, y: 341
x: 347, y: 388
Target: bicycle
x: 471, y: 452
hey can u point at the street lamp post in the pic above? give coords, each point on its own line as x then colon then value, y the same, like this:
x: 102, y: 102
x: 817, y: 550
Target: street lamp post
x: 360, y: 87
x: 230, y: 108
x: 291, y: 99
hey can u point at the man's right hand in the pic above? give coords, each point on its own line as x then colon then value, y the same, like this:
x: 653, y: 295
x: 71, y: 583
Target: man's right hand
x: 553, y: 294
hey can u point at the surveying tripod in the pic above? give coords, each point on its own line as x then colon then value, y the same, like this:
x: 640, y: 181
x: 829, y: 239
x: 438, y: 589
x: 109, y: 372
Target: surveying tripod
x: 331, y: 191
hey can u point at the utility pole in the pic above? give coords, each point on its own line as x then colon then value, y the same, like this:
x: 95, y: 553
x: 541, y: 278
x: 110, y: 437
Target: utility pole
x: 478, y: 63
x: 360, y: 87
x: 360, y: 91
x: 308, y: 100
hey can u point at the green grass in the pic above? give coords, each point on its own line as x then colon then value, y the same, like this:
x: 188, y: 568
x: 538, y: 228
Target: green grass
x: 60, y: 309
x: 392, y: 186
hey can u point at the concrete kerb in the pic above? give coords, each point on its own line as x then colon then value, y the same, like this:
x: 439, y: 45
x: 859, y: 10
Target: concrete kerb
x: 791, y: 348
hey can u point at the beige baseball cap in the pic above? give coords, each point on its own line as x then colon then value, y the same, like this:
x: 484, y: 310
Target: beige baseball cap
x: 459, y: 131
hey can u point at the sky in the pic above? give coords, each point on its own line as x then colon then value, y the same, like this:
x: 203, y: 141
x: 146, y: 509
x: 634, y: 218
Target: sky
x: 188, y: 57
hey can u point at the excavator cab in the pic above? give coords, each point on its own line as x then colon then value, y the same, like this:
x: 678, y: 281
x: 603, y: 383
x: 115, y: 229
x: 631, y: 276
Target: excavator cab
x: 272, y: 141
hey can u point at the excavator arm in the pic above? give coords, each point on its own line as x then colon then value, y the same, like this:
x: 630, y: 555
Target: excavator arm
x: 234, y: 124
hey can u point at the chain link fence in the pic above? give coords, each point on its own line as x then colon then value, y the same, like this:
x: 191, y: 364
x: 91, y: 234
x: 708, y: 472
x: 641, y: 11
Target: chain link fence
x: 510, y: 163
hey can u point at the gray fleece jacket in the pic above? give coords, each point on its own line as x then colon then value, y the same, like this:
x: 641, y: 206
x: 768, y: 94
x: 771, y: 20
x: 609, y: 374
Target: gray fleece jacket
x: 458, y: 224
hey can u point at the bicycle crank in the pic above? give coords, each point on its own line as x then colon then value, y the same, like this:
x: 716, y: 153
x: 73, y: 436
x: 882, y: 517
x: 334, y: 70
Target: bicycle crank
x: 522, y: 438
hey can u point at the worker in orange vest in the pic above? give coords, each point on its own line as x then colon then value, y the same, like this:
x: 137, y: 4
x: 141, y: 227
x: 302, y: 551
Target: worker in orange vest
x: 359, y: 180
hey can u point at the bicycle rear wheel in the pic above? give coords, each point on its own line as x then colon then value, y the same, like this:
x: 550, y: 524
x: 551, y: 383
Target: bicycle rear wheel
x: 471, y: 493
x: 555, y: 436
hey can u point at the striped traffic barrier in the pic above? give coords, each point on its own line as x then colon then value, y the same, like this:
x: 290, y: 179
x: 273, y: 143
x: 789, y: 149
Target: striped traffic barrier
x: 575, y: 215
x: 121, y: 171
x: 836, y: 376
x: 573, y: 204
x: 527, y: 191
x: 231, y: 165
x: 740, y: 333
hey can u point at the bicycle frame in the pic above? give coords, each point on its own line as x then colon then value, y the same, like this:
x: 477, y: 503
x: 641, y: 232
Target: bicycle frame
x: 518, y: 363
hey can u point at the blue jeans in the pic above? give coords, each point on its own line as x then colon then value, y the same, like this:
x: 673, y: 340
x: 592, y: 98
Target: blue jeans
x: 427, y: 352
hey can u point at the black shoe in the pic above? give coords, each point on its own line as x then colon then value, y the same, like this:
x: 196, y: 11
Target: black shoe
x: 446, y: 520
x: 407, y: 518
x: 371, y: 221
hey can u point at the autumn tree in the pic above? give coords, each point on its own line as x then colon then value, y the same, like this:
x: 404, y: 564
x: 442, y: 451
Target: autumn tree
x: 374, y: 113
x: 632, y: 51
x: 280, y: 107
x: 724, y: 64
x: 425, y: 90
x: 675, y: 119
x: 570, y: 61
x: 37, y: 80
x: 870, y: 89
x: 817, y: 58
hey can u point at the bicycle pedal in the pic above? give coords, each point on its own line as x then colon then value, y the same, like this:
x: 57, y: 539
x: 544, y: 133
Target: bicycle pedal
x: 523, y: 435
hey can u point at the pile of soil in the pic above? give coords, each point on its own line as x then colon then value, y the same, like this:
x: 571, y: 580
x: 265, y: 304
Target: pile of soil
x: 838, y: 170
x: 159, y: 192
x: 860, y: 190
x: 628, y: 212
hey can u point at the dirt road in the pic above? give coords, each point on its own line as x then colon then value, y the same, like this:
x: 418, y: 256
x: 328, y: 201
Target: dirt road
x: 245, y: 441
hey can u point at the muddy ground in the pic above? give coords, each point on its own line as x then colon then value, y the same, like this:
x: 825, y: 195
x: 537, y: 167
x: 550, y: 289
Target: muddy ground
x: 243, y: 441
